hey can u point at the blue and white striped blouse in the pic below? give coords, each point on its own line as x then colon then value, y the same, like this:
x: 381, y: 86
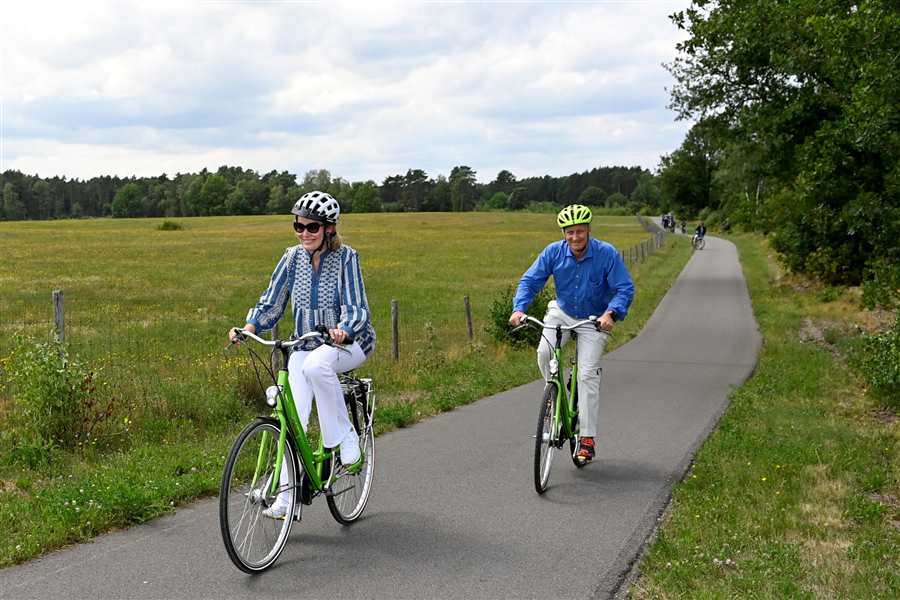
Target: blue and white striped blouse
x: 333, y: 295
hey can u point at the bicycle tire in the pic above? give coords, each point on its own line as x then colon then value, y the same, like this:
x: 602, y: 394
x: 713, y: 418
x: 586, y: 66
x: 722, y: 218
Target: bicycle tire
x: 253, y: 541
x: 543, y: 441
x: 345, y: 504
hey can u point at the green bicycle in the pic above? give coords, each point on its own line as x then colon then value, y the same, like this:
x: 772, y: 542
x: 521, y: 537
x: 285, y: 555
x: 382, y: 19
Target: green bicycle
x: 272, y: 459
x: 558, y: 413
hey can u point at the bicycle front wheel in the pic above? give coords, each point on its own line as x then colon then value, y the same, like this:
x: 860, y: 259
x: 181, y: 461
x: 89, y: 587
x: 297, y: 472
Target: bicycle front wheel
x: 545, y: 438
x: 352, y: 485
x: 253, y: 539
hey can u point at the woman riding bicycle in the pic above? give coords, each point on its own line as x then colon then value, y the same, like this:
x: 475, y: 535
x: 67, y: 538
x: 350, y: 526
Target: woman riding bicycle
x: 322, y: 278
x: 590, y: 279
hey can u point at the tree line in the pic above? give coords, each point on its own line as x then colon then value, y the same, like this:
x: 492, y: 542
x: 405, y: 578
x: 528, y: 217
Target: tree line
x: 238, y: 191
x: 797, y: 131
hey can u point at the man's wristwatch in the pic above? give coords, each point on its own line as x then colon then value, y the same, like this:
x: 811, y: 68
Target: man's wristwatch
x: 612, y: 314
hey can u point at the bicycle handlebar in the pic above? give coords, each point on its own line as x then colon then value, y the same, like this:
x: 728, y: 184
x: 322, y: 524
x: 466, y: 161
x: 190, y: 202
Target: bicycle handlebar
x: 592, y: 320
x: 243, y: 334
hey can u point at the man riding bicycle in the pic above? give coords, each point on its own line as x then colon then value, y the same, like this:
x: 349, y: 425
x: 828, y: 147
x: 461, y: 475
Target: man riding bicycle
x: 590, y: 279
x: 700, y: 232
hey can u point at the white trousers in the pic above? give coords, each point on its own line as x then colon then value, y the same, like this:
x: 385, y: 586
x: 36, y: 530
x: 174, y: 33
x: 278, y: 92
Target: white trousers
x: 314, y: 374
x: 590, y: 344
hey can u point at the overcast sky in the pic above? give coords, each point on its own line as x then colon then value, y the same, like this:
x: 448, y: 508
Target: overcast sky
x: 364, y: 90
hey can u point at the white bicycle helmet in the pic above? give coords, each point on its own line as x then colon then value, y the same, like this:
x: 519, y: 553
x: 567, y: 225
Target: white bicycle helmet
x: 318, y: 206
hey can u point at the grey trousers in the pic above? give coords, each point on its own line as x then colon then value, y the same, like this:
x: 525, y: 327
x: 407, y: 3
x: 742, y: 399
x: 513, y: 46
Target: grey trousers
x: 590, y: 345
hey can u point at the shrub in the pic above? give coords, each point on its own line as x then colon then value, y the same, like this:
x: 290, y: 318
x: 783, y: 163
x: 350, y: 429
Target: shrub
x: 878, y: 358
x: 498, y: 319
x: 882, y: 287
x: 170, y: 226
x: 57, y: 403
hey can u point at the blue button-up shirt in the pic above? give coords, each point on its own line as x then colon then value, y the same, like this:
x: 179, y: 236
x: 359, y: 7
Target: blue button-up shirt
x: 598, y: 282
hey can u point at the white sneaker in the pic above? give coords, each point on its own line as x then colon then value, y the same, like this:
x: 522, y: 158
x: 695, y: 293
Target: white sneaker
x: 276, y: 511
x: 350, y: 453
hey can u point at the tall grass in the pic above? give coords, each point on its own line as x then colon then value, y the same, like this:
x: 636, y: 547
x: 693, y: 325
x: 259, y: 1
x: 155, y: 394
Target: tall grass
x: 797, y: 493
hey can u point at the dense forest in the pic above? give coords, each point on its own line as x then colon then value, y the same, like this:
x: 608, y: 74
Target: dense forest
x: 238, y: 191
x: 796, y: 131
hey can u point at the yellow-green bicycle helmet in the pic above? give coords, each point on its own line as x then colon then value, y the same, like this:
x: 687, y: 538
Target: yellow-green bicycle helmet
x: 574, y: 214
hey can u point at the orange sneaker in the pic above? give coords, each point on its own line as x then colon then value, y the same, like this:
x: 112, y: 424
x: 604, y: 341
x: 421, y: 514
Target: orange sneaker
x: 585, y: 453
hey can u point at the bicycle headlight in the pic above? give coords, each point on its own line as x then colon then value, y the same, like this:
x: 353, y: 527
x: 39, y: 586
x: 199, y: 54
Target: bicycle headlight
x: 272, y: 395
x: 554, y: 365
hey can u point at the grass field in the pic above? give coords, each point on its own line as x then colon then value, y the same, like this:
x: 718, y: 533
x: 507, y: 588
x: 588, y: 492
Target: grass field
x: 150, y: 308
x: 797, y: 492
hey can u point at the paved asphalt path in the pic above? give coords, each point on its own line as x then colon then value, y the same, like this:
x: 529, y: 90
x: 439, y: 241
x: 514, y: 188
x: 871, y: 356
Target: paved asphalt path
x: 453, y: 512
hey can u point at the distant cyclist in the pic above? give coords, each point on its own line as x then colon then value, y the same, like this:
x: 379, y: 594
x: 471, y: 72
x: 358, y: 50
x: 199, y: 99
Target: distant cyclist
x: 700, y: 232
x: 590, y: 279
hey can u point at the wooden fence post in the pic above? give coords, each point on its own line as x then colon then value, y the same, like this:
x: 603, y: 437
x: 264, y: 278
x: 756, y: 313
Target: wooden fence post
x: 59, y: 319
x: 468, y: 317
x: 395, y: 330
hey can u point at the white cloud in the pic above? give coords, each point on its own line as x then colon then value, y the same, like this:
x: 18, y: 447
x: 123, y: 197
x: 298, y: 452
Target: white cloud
x: 363, y: 90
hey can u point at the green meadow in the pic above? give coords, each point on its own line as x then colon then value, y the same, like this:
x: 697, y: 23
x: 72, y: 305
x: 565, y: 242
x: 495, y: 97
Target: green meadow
x: 148, y: 311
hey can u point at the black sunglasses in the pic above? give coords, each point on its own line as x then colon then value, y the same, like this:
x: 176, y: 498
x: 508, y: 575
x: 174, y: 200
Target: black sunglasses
x: 310, y: 227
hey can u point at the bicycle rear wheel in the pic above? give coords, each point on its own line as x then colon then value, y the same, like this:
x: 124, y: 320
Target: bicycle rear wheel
x: 352, y: 485
x: 544, y: 440
x: 254, y: 541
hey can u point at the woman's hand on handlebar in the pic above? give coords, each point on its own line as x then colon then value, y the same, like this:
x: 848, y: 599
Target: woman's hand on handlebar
x: 339, y: 336
x: 234, y: 335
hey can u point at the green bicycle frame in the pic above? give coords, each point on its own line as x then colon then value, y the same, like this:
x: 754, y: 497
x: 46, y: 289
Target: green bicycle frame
x: 286, y: 413
x: 565, y: 399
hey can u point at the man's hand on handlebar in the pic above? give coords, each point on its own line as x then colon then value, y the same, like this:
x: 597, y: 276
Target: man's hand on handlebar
x: 517, y: 318
x: 606, y: 322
